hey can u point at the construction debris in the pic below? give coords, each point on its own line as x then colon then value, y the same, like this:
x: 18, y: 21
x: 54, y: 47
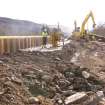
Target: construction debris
x: 75, y: 97
x: 33, y: 100
x: 73, y: 75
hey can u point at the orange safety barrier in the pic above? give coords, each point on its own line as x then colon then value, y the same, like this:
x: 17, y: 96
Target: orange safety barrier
x: 11, y: 44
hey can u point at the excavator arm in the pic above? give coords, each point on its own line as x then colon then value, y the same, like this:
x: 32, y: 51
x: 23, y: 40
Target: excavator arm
x: 85, y: 21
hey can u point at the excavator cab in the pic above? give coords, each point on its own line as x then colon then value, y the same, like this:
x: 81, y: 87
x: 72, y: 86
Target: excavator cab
x: 78, y: 29
x: 94, y: 25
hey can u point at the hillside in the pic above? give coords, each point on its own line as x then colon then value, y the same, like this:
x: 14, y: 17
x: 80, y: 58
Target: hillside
x: 18, y: 27
x: 10, y: 26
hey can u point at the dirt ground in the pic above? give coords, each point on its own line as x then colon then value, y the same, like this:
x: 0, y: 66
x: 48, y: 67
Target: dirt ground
x: 53, y: 76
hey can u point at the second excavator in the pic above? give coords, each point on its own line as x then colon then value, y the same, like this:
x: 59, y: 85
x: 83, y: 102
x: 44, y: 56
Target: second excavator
x: 82, y: 32
x: 79, y: 33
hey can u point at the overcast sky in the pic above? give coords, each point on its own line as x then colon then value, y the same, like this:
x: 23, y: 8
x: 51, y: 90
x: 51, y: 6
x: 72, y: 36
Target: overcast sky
x: 53, y: 11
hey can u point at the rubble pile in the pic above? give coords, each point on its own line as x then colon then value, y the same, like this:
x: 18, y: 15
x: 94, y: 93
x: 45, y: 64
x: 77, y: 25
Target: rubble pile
x: 66, y: 77
x: 61, y: 85
x: 12, y: 89
x: 91, y: 55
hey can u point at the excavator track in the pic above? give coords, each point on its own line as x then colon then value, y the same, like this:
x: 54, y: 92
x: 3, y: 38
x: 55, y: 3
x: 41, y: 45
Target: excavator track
x: 99, y: 38
x: 90, y: 37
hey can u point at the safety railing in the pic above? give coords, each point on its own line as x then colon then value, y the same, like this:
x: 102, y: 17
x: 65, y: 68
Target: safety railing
x: 11, y: 44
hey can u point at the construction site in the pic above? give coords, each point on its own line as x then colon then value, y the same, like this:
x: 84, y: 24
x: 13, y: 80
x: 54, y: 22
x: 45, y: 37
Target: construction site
x: 49, y: 68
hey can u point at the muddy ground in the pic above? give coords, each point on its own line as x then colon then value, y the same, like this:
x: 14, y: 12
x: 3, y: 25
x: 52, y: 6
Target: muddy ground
x: 53, y: 76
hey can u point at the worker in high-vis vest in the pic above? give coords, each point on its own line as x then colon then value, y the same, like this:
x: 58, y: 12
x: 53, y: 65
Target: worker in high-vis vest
x: 44, y: 38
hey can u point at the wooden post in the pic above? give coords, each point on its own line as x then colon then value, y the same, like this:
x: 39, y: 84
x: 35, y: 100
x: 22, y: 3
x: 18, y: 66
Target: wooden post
x: 25, y: 46
x: 33, y: 43
x: 8, y: 46
x: 30, y: 42
x: 19, y: 43
x: 22, y: 43
x: 2, y: 46
x: 14, y: 45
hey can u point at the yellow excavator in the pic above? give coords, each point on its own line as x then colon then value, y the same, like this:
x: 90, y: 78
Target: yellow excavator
x: 82, y: 33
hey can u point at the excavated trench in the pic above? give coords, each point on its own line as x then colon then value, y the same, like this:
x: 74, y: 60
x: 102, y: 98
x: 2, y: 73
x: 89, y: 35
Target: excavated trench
x: 49, y: 74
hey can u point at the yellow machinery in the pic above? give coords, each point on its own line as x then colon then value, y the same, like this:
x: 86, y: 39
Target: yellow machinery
x: 80, y: 33
x: 55, y: 37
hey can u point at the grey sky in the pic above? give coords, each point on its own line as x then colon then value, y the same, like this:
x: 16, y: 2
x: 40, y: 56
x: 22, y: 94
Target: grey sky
x: 52, y: 11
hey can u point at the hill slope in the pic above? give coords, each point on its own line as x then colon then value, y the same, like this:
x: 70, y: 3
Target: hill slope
x: 18, y: 27
x: 10, y: 26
